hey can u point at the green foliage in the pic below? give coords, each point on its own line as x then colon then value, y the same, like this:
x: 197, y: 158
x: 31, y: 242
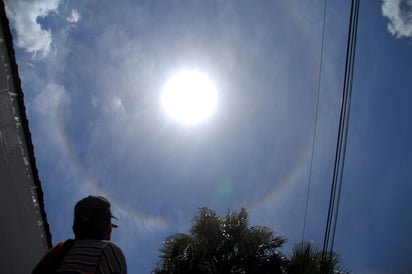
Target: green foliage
x: 222, y: 245
x: 307, y: 258
x: 226, y: 245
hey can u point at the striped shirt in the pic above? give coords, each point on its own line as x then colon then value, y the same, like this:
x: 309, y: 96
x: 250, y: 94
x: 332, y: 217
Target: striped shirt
x: 93, y: 256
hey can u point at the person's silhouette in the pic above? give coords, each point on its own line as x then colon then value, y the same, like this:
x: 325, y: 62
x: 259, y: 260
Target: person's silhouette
x: 91, y: 251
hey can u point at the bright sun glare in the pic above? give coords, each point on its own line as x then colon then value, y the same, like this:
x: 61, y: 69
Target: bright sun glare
x: 189, y: 97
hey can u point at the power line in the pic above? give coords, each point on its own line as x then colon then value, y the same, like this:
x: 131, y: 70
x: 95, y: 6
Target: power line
x: 316, y: 121
x: 336, y: 187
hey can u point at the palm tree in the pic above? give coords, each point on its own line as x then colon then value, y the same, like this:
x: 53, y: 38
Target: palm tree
x: 175, y: 255
x: 307, y: 258
x: 222, y: 245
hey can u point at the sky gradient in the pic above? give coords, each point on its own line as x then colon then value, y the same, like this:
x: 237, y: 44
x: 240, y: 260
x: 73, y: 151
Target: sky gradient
x: 92, y: 74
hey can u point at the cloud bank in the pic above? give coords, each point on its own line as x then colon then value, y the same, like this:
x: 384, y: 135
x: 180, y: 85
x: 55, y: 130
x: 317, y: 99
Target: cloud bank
x: 399, y: 13
x: 24, y: 15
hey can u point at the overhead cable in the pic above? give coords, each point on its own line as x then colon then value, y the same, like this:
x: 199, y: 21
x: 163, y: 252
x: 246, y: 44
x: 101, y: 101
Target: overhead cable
x: 316, y: 122
x: 336, y: 187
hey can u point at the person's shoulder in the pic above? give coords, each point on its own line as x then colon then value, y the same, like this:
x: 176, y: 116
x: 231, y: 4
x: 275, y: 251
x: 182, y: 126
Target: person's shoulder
x: 114, y: 254
x: 96, y: 244
x: 64, y: 242
x: 90, y: 242
x: 111, y: 245
x: 61, y: 247
x: 50, y: 261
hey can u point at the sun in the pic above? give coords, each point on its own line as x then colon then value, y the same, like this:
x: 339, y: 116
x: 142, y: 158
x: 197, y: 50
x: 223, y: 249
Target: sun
x: 189, y: 97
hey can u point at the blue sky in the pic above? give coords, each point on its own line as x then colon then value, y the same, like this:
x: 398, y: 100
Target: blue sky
x: 92, y: 73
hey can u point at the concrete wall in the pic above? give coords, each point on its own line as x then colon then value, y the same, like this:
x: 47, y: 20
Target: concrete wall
x: 24, y: 235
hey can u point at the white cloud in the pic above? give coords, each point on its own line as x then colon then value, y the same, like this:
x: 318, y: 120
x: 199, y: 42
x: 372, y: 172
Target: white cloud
x: 51, y: 99
x: 399, y: 13
x: 30, y: 35
x: 74, y: 16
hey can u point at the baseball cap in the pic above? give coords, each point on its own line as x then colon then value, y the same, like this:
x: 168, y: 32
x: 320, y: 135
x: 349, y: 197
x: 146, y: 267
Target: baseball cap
x: 93, y: 209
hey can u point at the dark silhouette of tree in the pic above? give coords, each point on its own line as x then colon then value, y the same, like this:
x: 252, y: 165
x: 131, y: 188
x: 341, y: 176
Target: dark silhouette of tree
x: 307, y: 258
x: 222, y: 245
x: 228, y: 245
